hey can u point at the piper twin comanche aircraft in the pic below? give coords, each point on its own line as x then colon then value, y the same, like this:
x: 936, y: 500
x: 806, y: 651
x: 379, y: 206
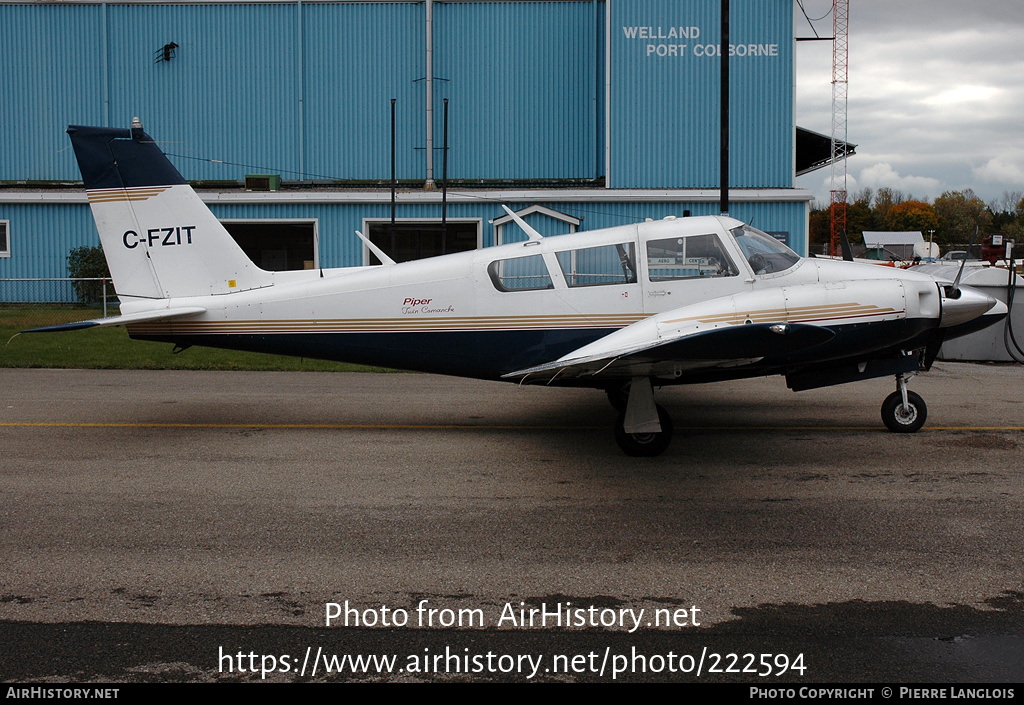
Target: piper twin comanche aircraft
x: 625, y: 309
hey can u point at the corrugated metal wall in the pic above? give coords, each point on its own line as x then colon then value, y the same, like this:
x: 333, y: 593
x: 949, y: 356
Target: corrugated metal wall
x: 230, y: 92
x: 50, y: 75
x: 359, y: 57
x: 42, y: 235
x: 665, y: 99
x: 522, y: 87
x: 304, y: 90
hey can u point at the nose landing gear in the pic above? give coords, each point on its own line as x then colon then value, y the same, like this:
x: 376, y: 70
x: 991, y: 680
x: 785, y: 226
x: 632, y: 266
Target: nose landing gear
x: 903, y: 411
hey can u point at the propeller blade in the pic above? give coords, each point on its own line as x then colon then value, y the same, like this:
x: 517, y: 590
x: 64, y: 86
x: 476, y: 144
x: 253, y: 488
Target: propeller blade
x: 844, y: 242
x: 954, y: 291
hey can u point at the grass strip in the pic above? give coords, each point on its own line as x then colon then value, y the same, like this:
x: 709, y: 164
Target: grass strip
x: 111, y: 348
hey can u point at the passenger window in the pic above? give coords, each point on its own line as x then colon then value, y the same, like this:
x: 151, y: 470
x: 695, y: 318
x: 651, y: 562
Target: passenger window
x: 520, y: 274
x: 689, y: 257
x: 597, y: 266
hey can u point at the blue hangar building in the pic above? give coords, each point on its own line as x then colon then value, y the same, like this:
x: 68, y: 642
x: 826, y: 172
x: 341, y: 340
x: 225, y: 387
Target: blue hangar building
x: 579, y: 114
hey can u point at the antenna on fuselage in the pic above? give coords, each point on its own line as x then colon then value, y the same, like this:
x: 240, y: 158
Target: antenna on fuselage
x: 530, y: 232
x: 384, y: 259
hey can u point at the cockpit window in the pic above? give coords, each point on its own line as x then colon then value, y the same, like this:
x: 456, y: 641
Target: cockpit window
x: 765, y: 254
x: 689, y: 257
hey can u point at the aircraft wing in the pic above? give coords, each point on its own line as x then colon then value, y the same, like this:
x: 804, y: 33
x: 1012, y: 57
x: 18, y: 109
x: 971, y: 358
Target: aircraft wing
x: 727, y: 332
x: 126, y: 319
x: 720, y: 347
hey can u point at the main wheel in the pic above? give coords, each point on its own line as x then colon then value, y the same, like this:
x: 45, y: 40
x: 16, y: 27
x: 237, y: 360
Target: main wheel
x: 900, y: 420
x: 644, y: 445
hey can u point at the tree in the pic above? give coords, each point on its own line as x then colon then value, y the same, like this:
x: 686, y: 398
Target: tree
x: 818, y: 227
x: 886, y: 198
x: 88, y: 263
x: 859, y: 218
x: 912, y: 215
x: 1015, y: 231
x: 1010, y: 203
x: 1007, y: 211
x: 865, y: 195
x: 960, y: 212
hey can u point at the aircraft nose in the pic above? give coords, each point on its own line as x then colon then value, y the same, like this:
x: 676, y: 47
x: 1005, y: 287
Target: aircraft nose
x: 970, y: 304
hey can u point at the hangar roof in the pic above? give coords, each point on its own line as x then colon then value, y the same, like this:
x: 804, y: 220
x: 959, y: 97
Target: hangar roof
x: 814, y: 150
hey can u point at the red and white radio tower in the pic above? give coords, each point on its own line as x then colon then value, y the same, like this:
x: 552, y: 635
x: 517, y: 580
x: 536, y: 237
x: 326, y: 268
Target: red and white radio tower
x: 840, y: 59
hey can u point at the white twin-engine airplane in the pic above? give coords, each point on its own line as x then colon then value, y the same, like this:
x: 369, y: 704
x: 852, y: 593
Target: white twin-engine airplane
x: 624, y: 309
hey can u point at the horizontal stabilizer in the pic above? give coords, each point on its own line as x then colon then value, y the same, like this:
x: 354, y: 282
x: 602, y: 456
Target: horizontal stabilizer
x: 126, y: 319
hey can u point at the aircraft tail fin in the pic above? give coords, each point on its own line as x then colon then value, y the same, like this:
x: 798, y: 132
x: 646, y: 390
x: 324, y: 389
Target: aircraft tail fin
x: 160, y: 240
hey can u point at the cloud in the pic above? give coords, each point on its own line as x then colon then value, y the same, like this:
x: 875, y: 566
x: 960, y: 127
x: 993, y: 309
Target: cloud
x: 933, y: 90
x: 882, y: 174
x: 999, y: 171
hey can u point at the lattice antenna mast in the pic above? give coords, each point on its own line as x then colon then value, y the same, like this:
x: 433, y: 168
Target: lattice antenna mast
x: 840, y: 85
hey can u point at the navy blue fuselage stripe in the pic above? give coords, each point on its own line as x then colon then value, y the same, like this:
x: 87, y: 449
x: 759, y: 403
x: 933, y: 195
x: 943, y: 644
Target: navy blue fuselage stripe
x: 490, y: 354
x: 110, y: 158
x: 482, y: 355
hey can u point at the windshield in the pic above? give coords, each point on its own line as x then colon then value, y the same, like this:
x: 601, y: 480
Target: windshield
x: 765, y: 254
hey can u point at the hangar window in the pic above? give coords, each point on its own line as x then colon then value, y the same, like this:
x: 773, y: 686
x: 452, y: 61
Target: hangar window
x: 5, y: 244
x: 596, y: 266
x: 276, y: 245
x: 688, y: 257
x: 520, y: 274
x: 417, y: 239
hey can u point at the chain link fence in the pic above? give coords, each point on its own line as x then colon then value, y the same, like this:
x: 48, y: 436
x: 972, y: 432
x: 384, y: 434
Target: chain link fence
x: 53, y: 300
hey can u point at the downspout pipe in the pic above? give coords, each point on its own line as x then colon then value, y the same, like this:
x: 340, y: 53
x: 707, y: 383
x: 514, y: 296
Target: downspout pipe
x: 430, y: 95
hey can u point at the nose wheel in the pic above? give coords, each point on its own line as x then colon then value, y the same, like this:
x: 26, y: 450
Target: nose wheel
x: 904, y: 411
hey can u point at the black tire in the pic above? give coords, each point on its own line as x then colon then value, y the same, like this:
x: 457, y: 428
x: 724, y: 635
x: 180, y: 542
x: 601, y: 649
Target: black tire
x: 898, y: 421
x: 644, y: 445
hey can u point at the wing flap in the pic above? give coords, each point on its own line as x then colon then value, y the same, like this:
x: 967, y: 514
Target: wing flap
x: 126, y: 319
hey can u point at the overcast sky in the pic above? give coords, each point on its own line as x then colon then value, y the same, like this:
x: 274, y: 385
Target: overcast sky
x: 936, y: 94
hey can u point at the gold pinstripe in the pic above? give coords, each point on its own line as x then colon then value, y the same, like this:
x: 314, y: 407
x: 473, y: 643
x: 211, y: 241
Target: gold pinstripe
x: 801, y: 314
x: 400, y: 325
x: 798, y: 314
x: 114, y: 195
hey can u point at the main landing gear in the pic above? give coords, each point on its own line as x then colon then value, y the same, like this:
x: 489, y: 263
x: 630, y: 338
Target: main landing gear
x: 903, y: 411
x: 643, y: 429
